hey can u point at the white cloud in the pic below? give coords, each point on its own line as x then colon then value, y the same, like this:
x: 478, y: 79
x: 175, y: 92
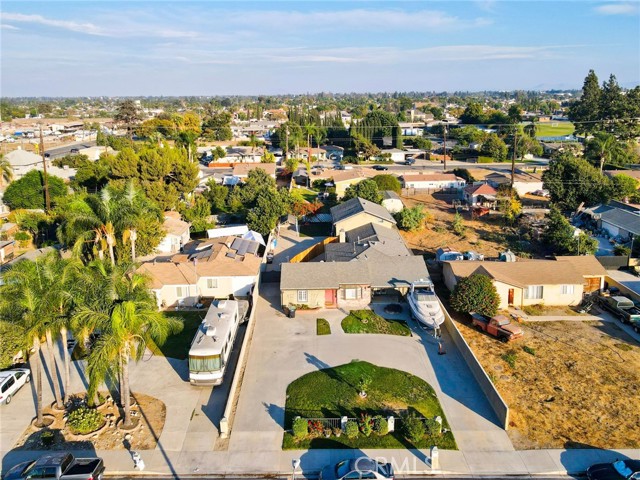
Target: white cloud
x: 6, y: 26
x: 618, y: 9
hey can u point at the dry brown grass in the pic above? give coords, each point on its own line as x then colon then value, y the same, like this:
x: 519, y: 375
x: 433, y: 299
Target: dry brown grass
x: 578, y: 384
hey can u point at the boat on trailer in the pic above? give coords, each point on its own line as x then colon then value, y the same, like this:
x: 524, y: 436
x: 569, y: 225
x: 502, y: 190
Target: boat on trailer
x: 424, y: 304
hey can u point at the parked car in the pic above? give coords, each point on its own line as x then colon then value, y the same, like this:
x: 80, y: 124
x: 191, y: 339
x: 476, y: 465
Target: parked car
x: 499, y: 326
x: 410, y: 161
x: 363, y: 467
x: 623, y: 308
x: 74, y: 150
x: 58, y: 466
x: 11, y: 381
x: 618, y: 470
x: 380, y: 167
x: 541, y: 193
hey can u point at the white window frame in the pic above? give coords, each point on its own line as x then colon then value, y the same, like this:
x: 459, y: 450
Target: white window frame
x: 303, y: 296
x: 567, y: 289
x: 534, y: 292
x: 350, y: 293
x: 212, y: 283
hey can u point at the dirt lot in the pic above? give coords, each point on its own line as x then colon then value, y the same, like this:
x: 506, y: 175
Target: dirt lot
x: 576, y: 384
x: 486, y: 235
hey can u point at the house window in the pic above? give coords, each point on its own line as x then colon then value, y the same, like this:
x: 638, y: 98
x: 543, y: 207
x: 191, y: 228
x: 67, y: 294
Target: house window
x: 533, y: 292
x: 212, y: 283
x: 352, y: 293
x: 303, y: 296
x: 179, y: 292
x: 567, y: 289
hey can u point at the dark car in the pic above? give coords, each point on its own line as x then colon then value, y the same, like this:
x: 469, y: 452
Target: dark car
x: 360, y: 468
x: 74, y: 150
x: 618, y: 470
x: 380, y: 167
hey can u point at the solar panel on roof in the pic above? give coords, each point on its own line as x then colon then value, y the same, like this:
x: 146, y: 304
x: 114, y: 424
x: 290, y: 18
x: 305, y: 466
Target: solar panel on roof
x: 231, y: 255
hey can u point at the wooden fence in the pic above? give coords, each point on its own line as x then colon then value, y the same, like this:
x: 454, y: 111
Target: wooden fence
x: 314, y: 251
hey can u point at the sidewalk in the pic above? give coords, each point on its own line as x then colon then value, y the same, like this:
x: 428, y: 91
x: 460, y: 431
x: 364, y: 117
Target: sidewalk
x: 405, y: 462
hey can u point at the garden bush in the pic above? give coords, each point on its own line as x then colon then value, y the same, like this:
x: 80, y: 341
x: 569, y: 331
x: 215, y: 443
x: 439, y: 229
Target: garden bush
x: 380, y: 425
x: 316, y: 429
x: 47, y: 438
x: 366, y: 424
x: 413, y: 428
x: 352, y: 429
x: 300, y: 427
x: 433, y: 427
x: 84, y: 420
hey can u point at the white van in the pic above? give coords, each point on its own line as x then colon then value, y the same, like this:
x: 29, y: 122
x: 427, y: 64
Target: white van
x: 11, y: 381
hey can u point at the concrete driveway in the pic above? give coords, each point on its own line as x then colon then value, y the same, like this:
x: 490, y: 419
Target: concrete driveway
x: 283, y: 349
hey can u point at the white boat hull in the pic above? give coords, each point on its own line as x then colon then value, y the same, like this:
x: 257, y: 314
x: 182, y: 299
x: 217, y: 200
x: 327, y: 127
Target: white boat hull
x: 428, y: 313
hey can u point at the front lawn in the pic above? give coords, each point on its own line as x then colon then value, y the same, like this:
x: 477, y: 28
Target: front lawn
x: 322, y: 327
x: 334, y: 392
x: 367, y: 321
x: 177, y: 346
x: 554, y: 129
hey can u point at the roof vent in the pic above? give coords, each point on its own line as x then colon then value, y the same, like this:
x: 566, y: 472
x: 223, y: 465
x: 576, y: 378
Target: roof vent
x: 210, y: 331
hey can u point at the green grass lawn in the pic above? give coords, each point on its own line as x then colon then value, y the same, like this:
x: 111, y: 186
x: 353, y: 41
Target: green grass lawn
x: 322, y: 327
x: 308, y: 195
x: 334, y: 392
x: 554, y: 129
x: 367, y: 321
x: 177, y: 346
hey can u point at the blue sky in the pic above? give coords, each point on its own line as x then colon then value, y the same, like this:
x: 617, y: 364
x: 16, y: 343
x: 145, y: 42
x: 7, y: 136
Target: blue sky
x: 82, y: 48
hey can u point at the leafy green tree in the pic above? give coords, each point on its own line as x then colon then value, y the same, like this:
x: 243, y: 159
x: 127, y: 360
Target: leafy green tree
x: 422, y: 143
x: 28, y: 191
x: 468, y: 134
x: 475, y: 293
x: 458, y: 225
x: 473, y: 114
x: 198, y: 214
x: 624, y: 186
x: 217, y: 196
x: 464, y: 174
x: 411, y: 219
x: 291, y: 164
x: 572, y: 181
x: 375, y: 126
x: 388, y: 182
x: 561, y: 237
x: 129, y: 114
x: 366, y: 189
x: 605, y: 149
x: 494, y: 147
x: 92, y: 176
x: 12, y: 341
x: 270, y: 206
x: 267, y: 157
x: 218, y: 126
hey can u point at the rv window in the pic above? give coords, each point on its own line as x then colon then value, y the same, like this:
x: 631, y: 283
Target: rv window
x: 179, y: 292
x: 212, y: 283
x: 209, y: 363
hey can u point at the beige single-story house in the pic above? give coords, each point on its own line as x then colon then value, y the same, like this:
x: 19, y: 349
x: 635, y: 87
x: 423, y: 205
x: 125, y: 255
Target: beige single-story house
x: 348, y: 285
x: 357, y: 212
x: 6, y: 250
x: 216, y: 268
x: 178, y: 233
x: 474, y: 194
x: 560, y: 282
x: 241, y: 170
x: 433, y: 181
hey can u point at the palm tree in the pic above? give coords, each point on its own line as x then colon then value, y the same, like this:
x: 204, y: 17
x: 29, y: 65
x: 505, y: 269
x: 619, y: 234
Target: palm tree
x: 131, y: 235
x: 30, y: 296
x: 128, y: 320
x: 603, y: 147
x: 6, y: 171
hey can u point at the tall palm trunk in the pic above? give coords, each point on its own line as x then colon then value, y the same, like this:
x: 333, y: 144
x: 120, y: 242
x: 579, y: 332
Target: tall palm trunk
x: 121, y: 382
x: 67, y: 362
x: 53, y: 368
x: 110, y: 242
x: 37, y: 369
x: 125, y: 381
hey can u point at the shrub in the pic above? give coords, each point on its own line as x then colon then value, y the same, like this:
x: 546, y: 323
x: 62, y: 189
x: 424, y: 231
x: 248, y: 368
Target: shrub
x: 300, y: 427
x: 23, y: 239
x: 413, y: 428
x: 433, y: 427
x: 380, y: 425
x: 621, y: 251
x: 510, y: 357
x: 529, y: 350
x: 322, y: 327
x: 411, y: 219
x: 366, y: 424
x: 351, y: 429
x: 476, y: 293
x: 84, y: 420
x: 316, y: 429
x: 47, y: 438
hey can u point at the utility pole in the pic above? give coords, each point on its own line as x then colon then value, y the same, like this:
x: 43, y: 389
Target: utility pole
x: 47, y: 200
x: 513, y: 160
x: 286, y: 142
x: 444, y: 131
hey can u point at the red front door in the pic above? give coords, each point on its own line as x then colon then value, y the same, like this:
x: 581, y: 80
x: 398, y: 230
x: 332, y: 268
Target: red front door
x: 329, y: 298
x: 510, y: 299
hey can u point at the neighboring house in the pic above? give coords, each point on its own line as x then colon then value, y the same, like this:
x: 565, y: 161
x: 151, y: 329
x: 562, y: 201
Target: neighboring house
x: 368, y: 241
x: 433, y: 181
x: 216, y: 268
x: 635, y: 174
x: 241, y: 172
x: 395, y: 154
x: 618, y: 219
x: 243, y: 155
x: 558, y: 282
x: 357, y: 212
x: 412, y: 129
x: 93, y: 153
x: 523, y: 182
x: 343, y: 179
x: 477, y: 194
x: 333, y: 152
x: 178, y: 233
x: 348, y: 285
x: 6, y: 250
x: 8, y: 230
x: 391, y: 201
x: 22, y: 162
x: 318, y: 153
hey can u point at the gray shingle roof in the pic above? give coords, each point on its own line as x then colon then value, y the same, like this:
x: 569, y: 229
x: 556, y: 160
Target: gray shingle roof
x: 390, y: 195
x: 622, y: 219
x: 382, y: 272
x: 358, y: 205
